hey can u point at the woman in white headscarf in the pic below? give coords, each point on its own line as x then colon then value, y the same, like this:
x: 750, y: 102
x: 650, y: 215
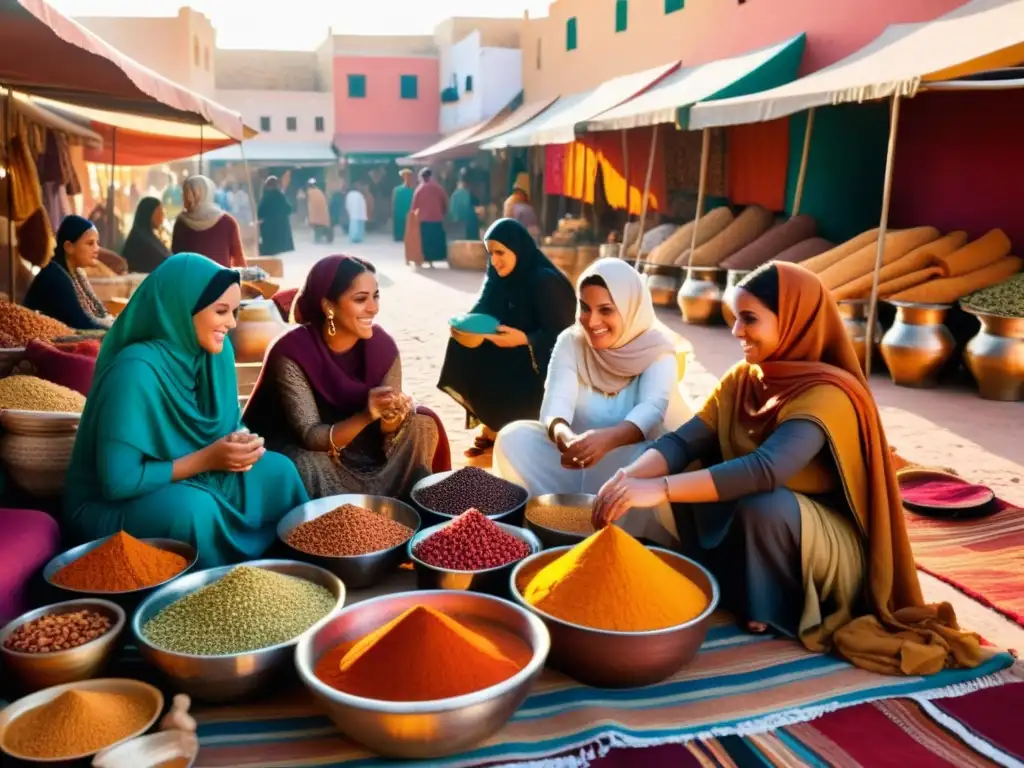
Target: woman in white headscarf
x: 204, y: 227
x: 611, y: 388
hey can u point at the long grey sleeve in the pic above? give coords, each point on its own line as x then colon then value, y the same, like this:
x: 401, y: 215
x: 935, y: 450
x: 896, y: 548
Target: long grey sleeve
x: 692, y: 441
x: 790, y: 448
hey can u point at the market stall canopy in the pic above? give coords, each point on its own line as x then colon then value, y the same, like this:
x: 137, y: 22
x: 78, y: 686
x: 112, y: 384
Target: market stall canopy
x: 453, y: 143
x: 380, y: 147
x: 75, y: 131
x: 265, y: 152
x: 132, y: 140
x: 45, y: 53
x: 981, y: 35
x: 557, y: 125
x: 669, y: 101
x: 1010, y: 78
x: 519, y: 117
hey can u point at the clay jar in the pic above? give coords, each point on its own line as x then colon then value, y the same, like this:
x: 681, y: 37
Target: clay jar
x: 995, y: 357
x: 259, y: 323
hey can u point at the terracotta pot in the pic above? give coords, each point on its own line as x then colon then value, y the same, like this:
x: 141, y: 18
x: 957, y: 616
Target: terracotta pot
x: 855, y: 319
x: 700, y: 295
x: 732, y: 278
x: 467, y: 254
x: 564, y: 257
x: 918, y: 344
x: 259, y: 323
x: 664, y: 282
x: 995, y: 357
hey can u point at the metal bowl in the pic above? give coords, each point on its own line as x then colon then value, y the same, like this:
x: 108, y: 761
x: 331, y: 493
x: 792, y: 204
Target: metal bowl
x: 430, y: 516
x: 105, y: 685
x: 235, y: 675
x: 607, y: 659
x: 356, y: 571
x: 21, y: 422
x: 150, y: 751
x: 129, y: 600
x: 552, y: 537
x: 34, y: 671
x: 423, y: 729
x: 493, y: 581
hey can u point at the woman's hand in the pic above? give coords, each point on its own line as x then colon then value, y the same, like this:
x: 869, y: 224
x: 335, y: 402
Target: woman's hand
x: 507, y: 337
x: 622, y: 493
x: 237, y: 452
x: 401, y: 408
x: 585, y: 450
x: 379, y: 401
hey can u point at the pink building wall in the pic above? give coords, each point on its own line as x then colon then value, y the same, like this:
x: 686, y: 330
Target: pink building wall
x: 383, y: 121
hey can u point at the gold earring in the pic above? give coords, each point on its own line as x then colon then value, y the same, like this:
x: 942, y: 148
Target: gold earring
x: 331, y: 330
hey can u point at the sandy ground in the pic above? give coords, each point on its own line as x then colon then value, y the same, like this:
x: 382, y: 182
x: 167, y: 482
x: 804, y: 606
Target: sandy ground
x: 943, y: 427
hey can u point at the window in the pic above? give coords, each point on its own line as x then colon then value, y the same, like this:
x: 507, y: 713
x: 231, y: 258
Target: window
x: 318, y: 124
x: 195, y: 51
x: 409, y: 87
x: 671, y: 6
x: 357, y: 86
x: 570, y: 34
x: 538, y: 53
x: 206, y: 59
x: 469, y: 83
x: 621, y: 15
x: 265, y: 124
x: 291, y: 124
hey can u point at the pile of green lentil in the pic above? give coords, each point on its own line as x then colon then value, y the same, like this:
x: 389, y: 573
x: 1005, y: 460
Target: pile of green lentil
x: 1005, y: 299
x: 248, y: 609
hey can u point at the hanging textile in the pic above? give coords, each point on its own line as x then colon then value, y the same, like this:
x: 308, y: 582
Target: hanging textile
x: 682, y: 161
x: 554, y: 168
x: 613, y: 167
x: 757, y: 162
x: 581, y: 170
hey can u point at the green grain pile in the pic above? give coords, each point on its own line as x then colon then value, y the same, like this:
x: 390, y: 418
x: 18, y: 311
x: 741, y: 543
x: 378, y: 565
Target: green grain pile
x: 248, y: 609
x: 1005, y: 299
x: 29, y: 393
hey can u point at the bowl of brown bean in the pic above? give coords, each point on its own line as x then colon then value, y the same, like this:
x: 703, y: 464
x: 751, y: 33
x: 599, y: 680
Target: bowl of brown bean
x: 61, y: 643
x: 445, y: 495
x: 360, y: 539
x: 560, y: 519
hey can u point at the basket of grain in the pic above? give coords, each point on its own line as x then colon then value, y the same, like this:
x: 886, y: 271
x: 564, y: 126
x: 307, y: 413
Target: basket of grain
x: 467, y: 254
x: 38, y: 464
x: 118, y: 287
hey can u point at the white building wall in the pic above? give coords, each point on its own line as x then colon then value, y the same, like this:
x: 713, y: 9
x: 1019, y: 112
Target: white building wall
x: 501, y: 78
x: 497, y: 77
x: 304, y: 106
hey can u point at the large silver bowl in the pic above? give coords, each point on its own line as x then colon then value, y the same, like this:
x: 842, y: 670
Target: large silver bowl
x: 423, y: 729
x: 156, y: 749
x: 430, y: 516
x: 130, y: 599
x: 493, y: 581
x: 552, y: 537
x: 356, y: 571
x: 34, y: 671
x: 230, y: 676
x: 105, y: 685
x: 607, y: 659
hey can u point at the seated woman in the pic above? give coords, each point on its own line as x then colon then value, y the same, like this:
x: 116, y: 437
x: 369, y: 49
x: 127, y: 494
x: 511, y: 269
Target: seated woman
x: 608, y: 391
x: 61, y: 290
x: 160, y: 451
x: 203, y: 227
x: 144, y: 251
x: 330, y: 394
x: 502, y: 380
x: 799, y: 514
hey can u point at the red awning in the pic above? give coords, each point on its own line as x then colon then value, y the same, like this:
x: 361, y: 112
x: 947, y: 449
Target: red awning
x: 45, y: 53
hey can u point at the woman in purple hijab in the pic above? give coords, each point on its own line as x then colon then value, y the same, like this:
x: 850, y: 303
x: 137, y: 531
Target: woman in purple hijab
x: 330, y: 393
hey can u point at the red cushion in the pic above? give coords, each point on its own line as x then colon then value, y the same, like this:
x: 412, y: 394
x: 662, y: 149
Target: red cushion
x: 284, y: 300
x: 28, y: 542
x: 68, y: 369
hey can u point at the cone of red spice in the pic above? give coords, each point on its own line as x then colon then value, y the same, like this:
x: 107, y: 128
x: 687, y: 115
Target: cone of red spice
x: 120, y: 564
x: 472, y: 542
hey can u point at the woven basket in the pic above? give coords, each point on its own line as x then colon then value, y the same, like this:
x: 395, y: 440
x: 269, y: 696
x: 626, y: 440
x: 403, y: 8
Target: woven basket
x: 120, y: 287
x: 38, y: 464
x: 467, y: 254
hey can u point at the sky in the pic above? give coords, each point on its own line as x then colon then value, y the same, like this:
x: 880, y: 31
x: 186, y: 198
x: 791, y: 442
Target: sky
x: 303, y: 24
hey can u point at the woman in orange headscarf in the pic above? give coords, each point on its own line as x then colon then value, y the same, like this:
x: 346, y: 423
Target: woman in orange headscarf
x: 799, y: 513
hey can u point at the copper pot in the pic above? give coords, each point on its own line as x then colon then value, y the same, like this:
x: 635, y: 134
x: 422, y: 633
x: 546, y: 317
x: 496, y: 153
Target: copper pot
x: 259, y: 323
x: 855, y: 320
x: 918, y: 345
x: 700, y: 296
x: 995, y: 357
x: 732, y: 279
x: 663, y: 282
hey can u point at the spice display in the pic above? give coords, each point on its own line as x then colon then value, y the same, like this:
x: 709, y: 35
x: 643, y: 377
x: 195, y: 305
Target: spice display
x: 1005, y: 299
x: 78, y: 722
x: 248, y: 609
x: 58, y: 632
x: 120, y: 564
x: 562, y: 518
x: 472, y: 542
x: 178, y: 762
x: 28, y: 393
x: 613, y: 582
x: 947, y: 290
x: 18, y: 326
x: 348, y: 530
x: 424, y: 655
x: 471, y: 487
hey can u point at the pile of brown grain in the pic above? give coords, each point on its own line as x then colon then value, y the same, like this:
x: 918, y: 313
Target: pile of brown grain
x: 19, y: 326
x: 29, y: 393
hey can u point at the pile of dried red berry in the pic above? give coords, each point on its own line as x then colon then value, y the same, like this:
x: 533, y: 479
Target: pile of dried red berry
x: 472, y: 542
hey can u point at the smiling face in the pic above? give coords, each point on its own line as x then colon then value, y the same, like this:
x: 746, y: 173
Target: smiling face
x: 213, y: 323
x: 756, y: 327
x: 84, y: 251
x: 356, y: 308
x: 600, y: 317
x: 503, y: 260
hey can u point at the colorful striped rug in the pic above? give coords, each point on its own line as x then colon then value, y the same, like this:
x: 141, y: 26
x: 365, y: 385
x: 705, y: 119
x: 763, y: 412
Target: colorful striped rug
x: 740, y: 685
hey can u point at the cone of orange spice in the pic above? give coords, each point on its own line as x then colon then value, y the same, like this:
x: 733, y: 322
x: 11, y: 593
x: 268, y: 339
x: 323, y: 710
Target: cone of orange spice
x: 120, y: 564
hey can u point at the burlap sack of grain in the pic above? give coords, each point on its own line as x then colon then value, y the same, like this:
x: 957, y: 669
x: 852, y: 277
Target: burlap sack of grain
x: 905, y: 282
x: 926, y: 256
x: 897, y: 245
x: 947, y: 290
x: 711, y: 224
x: 804, y: 250
x: 652, y: 239
x: 987, y: 249
x: 753, y: 222
x: 772, y: 243
x: 825, y: 260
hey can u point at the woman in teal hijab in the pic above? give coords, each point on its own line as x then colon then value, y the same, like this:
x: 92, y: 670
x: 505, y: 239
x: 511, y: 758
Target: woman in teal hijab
x: 160, y: 451
x: 401, y: 202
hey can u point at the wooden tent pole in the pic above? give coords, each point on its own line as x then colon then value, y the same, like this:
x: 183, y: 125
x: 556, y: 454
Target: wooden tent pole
x: 798, y: 196
x: 647, y: 192
x: 702, y: 185
x: 111, y: 233
x: 883, y: 225
x: 253, y: 203
x: 629, y: 192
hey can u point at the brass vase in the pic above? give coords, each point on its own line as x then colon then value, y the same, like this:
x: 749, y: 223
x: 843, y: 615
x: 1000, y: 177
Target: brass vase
x: 732, y: 278
x: 663, y: 282
x: 259, y: 323
x: 918, y: 344
x: 855, y: 319
x: 995, y: 357
x: 700, y: 296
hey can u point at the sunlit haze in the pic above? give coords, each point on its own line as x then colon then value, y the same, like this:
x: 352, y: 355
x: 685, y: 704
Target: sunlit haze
x: 303, y: 24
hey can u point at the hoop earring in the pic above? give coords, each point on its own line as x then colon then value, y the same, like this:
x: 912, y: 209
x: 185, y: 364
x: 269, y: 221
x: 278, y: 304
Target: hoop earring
x: 331, y: 330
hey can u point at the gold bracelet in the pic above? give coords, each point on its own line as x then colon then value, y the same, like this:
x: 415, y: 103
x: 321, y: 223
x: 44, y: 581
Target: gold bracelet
x: 335, y: 452
x: 533, y: 358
